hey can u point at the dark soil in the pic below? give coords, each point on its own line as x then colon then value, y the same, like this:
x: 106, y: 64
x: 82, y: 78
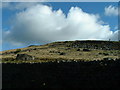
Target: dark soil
x: 93, y: 74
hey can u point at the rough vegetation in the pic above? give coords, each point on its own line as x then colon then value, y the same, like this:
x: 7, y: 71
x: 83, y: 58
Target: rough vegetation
x: 66, y: 50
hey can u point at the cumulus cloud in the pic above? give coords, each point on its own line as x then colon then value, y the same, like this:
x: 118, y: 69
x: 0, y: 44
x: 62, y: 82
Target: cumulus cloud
x: 41, y: 24
x: 111, y: 11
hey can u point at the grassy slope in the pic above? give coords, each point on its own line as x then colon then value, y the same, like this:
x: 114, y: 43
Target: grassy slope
x: 52, y: 51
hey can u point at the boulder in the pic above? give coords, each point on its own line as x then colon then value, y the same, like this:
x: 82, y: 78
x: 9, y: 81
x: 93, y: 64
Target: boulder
x: 86, y: 50
x: 78, y: 49
x: 24, y: 57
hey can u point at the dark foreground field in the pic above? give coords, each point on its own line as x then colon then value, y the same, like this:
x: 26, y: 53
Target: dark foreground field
x: 92, y: 74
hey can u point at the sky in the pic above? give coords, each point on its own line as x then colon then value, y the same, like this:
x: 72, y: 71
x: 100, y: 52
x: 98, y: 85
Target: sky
x: 25, y: 24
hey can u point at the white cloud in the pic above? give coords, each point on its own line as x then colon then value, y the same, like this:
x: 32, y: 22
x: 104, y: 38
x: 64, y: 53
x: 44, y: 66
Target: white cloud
x: 115, y: 35
x: 111, y: 11
x: 42, y: 24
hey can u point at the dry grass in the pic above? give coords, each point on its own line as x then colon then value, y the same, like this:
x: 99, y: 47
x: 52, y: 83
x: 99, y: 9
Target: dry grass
x: 47, y: 53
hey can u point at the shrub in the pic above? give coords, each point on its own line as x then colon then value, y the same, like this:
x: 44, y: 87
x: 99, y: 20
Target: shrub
x: 62, y: 53
x: 8, y: 59
x: 32, y: 45
x: 104, y: 54
x: 18, y: 50
x: 100, y: 53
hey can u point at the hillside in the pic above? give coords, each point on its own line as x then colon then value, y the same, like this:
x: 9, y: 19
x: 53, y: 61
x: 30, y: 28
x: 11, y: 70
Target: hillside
x: 63, y: 65
x: 63, y: 51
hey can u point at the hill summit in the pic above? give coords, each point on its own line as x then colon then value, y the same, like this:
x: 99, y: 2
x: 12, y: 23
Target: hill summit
x: 87, y: 50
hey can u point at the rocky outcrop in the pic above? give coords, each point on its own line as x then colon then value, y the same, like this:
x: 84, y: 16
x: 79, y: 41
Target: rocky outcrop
x: 102, y: 45
x: 24, y: 57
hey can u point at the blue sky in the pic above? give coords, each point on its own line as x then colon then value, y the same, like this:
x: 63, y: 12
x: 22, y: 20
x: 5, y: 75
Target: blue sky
x: 10, y: 10
x: 90, y: 7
